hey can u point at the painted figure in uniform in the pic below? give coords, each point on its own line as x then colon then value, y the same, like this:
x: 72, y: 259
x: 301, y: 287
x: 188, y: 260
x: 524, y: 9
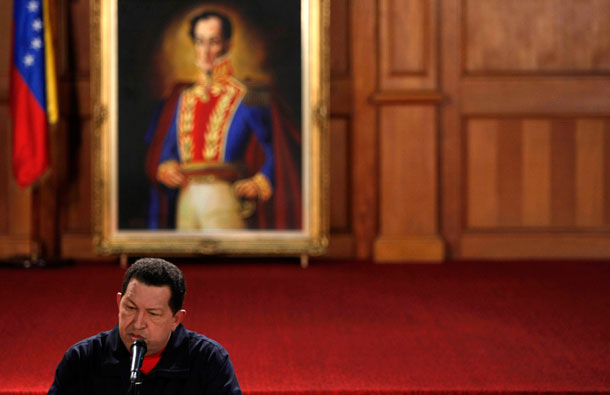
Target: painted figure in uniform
x: 216, y: 158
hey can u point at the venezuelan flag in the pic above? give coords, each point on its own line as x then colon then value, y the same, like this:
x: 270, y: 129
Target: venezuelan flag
x: 33, y: 92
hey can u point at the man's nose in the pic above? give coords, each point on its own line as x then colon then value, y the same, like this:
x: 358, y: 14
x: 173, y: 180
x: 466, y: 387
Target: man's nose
x: 140, y: 321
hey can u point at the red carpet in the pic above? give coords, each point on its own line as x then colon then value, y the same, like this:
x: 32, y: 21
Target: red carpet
x: 344, y: 328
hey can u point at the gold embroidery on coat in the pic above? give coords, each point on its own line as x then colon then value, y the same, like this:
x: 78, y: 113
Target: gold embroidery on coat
x: 190, y: 97
x: 230, y: 92
x: 217, y: 118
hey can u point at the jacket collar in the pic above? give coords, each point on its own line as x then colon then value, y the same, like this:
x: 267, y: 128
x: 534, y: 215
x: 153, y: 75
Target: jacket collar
x: 173, y: 363
x: 220, y: 73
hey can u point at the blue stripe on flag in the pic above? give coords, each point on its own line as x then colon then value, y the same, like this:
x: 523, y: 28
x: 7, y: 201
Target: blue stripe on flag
x: 28, y: 53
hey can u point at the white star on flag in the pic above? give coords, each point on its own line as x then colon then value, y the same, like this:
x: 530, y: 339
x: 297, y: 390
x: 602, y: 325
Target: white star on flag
x: 33, y: 6
x: 37, y: 24
x: 28, y: 60
x: 36, y: 43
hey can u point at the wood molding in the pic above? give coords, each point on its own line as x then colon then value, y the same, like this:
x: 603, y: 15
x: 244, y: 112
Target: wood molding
x: 536, y: 95
x: 11, y: 246
x: 407, y: 97
x: 429, y: 249
x: 551, y: 245
x: 365, y: 166
x: 451, y: 165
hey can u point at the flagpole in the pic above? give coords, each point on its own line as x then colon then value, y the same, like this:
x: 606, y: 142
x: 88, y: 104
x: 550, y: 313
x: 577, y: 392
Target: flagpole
x: 35, y: 244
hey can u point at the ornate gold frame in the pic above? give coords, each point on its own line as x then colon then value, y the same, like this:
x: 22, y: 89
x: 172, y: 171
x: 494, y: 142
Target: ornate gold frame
x: 312, y: 239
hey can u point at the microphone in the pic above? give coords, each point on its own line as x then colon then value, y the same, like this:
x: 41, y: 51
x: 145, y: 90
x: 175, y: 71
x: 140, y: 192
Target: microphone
x: 138, y: 350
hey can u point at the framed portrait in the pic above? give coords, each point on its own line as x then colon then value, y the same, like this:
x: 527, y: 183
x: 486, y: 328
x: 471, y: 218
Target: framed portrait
x: 210, y: 126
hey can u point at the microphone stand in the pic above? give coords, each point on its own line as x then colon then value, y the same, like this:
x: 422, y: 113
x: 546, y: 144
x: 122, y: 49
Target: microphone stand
x: 138, y: 350
x: 136, y: 384
x: 134, y: 389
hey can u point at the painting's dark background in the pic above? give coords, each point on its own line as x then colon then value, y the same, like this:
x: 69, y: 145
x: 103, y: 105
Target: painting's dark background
x: 141, y: 24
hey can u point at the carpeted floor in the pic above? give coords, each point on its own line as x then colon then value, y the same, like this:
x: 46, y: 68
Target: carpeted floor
x: 344, y: 328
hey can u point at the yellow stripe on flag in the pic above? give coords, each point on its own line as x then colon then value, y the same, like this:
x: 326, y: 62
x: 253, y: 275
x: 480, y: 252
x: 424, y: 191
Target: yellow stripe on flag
x: 51, y: 82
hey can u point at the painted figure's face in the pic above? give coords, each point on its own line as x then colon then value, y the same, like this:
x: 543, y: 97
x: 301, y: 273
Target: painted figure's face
x: 209, y: 43
x: 144, y: 313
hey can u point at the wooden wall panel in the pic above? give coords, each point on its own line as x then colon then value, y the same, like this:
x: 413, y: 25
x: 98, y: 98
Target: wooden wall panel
x: 340, y: 37
x: 18, y: 200
x: 405, y: 27
x: 535, y: 173
x: 481, y: 169
x: 339, y: 176
x: 407, y: 168
x: 517, y: 117
x: 407, y: 42
x: 540, y: 36
x: 526, y: 123
x: 589, y: 182
x: 6, y: 17
x: 606, y: 167
x: 563, y: 191
x: 562, y: 172
x: 509, y: 173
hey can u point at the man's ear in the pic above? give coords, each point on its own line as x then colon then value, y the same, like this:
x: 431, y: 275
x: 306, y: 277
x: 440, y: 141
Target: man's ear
x: 178, y: 317
x: 118, y: 299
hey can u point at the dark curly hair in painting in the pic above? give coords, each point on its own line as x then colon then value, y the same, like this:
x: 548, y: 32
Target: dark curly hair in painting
x: 158, y: 272
x: 227, y: 28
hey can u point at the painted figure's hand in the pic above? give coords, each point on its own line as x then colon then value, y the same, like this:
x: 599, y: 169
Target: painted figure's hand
x: 169, y: 174
x: 246, y: 189
x: 256, y: 187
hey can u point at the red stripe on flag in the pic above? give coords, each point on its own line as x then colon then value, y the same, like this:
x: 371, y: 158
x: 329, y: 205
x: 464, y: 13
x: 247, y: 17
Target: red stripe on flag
x: 30, y: 155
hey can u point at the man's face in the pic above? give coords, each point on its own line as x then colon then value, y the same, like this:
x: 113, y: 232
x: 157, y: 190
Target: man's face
x: 209, y: 43
x: 144, y: 313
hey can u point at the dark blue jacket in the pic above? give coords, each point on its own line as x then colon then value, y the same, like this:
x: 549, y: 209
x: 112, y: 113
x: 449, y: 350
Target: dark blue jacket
x: 190, y: 364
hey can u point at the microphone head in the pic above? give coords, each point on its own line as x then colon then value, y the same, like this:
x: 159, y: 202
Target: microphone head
x: 138, y: 350
x: 140, y: 343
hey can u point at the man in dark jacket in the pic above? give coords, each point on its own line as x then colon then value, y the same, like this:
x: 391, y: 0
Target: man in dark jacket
x: 177, y: 361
